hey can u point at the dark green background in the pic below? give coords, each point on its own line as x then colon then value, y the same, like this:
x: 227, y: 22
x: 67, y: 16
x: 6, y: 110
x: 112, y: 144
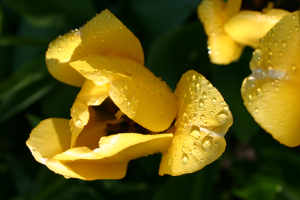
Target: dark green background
x: 254, y: 166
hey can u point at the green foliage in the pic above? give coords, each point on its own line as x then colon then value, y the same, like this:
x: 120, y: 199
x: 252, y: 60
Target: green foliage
x: 254, y: 166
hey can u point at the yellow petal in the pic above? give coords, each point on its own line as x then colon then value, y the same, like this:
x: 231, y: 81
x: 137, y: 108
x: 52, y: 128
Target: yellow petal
x: 243, y: 27
x: 88, y: 170
x: 121, y: 147
x: 214, y: 14
x: 106, y: 35
x: 89, y: 95
x: 233, y: 7
x: 133, y: 88
x: 59, y: 53
x: 52, y: 136
x: 102, y: 35
x: 223, y: 50
x: 271, y: 92
x: 203, y: 119
x: 188, y: 153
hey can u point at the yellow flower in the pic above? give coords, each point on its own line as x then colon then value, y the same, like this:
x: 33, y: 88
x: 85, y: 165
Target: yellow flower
x: 271, y: 92
x: 106, y: 59
x: 203, y: 119
x: 214, y: 14
x: 229, y: 29
x: 122, y: 109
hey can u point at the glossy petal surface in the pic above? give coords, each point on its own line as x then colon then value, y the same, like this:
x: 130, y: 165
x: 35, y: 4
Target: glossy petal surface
x: 102, y: 35
x: 214, y: 14
x: 60, y: 52
x: 247, y: 27
x: 133, y: 88
x: 203, y: 119
x: 121, y: 147
x: 89, y: 95
x: 271, y: 92
x: 56, y: 132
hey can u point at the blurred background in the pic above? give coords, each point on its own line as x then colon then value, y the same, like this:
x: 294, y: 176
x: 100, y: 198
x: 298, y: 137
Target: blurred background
x: 254, y: 165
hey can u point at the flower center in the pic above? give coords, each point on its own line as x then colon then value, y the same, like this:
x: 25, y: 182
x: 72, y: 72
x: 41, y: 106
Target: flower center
x: 106, y: 119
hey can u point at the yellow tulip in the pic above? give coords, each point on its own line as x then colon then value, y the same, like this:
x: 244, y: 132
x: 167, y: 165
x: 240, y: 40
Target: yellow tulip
x: 122, y: 109
x: 248, y: 27
x: 202, y: 120
x: 271, y: 92
x: 106, y: 59
x: 229, y: 29
x: 214, y: 14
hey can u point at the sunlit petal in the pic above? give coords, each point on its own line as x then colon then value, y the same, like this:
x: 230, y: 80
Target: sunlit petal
x: 121, y: 147
x: 133, y: 88
x: 271, y: 92
x: 102, y: 35
x: 89, y: 95
x: 247, y: 27
x: 203, y: 119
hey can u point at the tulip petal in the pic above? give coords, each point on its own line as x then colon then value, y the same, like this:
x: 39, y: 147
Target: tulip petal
x: 203, y: 119
x: 133, y: 88
x: 60, y: 52
x: 105, y: 34
x: 51, y: 137
x: 271, y: 92
x: 214, y: 14
x: 242, y: 28
x: 121, y: 147
x: 89, y: 95
x: 88, y: 170
x: 102, y: 35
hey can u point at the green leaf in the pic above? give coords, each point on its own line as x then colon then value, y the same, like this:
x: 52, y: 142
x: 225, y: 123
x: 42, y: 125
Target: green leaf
x: 175, y: 52
x: 261, y: 187
x: 199, y: 185
x: 158, y: 16
x: 15, y: 40
x: 23, y: 88
x: 50, y: 13
x: 58, y: 102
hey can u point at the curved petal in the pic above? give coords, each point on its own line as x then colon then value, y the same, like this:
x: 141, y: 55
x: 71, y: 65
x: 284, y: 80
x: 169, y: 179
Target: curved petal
x: 89, y: 95
x: 133, y: 88
x: 222, y: 49
x: 203, y: 119
x: 233, y: 7
x: 271, y: 92
x: 105, y: 34
x: 60, y: 52
x: 242, y: 28
x: 121, y: 147
x: 102, y: 35
x: 54, y: 131
x: 51, y: 137
x: 214, y: 14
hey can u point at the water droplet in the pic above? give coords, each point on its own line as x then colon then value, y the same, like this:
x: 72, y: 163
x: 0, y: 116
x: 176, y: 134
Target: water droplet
x: 214, y: 100
x: 283, y: 44
x: 194, y: 77
x: 185, y: 158
x: 195, y: 132
x: 78, y: 123
x: 258, y: 90
x: 270, y: 67
x: 207, y: 143
x: 222, y: 117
